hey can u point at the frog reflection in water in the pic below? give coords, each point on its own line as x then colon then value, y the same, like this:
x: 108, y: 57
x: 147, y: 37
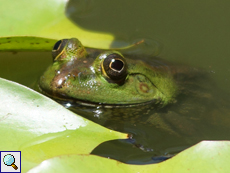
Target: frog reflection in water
x: 166, y: 107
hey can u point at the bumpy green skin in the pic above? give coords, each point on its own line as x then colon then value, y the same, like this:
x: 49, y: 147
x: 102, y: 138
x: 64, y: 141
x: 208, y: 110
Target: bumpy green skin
x: 77, y: 74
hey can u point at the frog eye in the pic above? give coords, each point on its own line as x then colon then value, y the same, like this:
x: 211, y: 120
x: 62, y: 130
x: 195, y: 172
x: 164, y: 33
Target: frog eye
x: 114, y: 66
x: 58, y: 47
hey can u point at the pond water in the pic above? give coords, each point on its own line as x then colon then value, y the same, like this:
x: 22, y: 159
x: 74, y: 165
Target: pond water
x: 195, y: 33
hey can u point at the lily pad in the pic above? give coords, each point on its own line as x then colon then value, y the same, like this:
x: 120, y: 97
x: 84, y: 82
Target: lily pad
x: 26, y: 43
x: 207, y: 156
x: 41, y: 128
x: 44, y: 19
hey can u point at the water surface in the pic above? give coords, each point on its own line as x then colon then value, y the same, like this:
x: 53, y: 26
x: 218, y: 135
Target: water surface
x: 195, y: 33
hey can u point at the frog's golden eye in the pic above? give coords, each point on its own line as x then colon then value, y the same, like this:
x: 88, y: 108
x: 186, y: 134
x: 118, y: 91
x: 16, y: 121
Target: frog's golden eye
x: 58, y: 48
x: 115, y: 67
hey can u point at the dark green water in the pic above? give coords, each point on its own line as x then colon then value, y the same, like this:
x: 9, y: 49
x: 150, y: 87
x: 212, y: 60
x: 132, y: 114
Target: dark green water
x: 195, y: 33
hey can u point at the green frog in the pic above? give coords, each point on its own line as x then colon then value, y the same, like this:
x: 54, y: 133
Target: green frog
x: 165, y: 107
x: 106, y: 78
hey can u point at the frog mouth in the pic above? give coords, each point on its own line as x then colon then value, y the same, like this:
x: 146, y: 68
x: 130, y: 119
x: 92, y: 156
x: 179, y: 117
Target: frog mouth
x: 71, y: 102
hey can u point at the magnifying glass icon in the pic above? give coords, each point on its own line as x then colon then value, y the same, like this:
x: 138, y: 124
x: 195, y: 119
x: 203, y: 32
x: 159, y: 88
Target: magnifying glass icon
x: 9, y: 160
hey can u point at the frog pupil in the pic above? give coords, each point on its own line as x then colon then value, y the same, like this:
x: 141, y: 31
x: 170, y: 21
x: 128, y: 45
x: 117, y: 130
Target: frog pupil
x: 117, y: 64
x: 57, y: 44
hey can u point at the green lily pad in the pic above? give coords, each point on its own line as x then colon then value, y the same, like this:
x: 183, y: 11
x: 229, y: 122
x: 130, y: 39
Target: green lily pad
x: 207, y: 156
x: 44, y: 19
x: 41, y: 128
x: 26, y: 43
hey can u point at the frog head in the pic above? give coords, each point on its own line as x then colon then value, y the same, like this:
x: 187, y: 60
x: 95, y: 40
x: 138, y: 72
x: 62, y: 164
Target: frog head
x: 105, y: 77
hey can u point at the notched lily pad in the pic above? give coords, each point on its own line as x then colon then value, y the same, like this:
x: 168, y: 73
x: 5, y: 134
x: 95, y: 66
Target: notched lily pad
x: 81, y: 163
x: 206, y: 156
x: 41, y: 128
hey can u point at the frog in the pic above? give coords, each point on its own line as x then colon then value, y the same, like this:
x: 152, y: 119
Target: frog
x: 164, y: 106
x: 106, y: 78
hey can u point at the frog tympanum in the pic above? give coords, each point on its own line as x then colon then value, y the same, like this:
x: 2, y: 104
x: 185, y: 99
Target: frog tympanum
x: 166, y: 107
